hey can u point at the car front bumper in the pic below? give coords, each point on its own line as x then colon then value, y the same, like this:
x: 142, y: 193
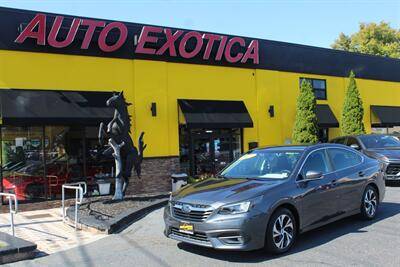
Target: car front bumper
x: 234, y: 232
x: 392, y: 178
x: 392, y: 171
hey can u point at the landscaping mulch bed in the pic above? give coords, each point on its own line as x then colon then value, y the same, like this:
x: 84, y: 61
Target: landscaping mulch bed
x: 105, y: 215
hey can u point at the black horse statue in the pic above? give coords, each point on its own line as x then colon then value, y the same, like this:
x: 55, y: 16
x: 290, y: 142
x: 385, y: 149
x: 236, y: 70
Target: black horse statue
x: 126, y: 155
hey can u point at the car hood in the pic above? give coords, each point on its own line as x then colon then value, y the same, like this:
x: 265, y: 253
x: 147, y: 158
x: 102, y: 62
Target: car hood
x: 217, y: 190
x: 385, y: 154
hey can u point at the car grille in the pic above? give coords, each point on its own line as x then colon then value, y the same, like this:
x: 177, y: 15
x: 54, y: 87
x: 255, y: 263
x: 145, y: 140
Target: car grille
x: 196, y: 236
x: 393, y: 169
x: 198, y: 213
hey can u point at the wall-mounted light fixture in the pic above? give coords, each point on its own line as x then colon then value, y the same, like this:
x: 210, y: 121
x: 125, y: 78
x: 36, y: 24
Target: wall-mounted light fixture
x: 271, y: 111
x: 153, y: 109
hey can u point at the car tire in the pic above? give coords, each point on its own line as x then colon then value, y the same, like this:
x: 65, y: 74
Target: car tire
x: 369, y: 203
x: 278, y: 240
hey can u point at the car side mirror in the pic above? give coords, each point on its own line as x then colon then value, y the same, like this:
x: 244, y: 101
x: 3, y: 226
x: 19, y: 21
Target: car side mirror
x: 355, y: 146
x: 313, y: 175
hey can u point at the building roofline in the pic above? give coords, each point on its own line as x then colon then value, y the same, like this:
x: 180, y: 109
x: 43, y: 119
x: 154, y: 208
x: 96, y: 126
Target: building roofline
x: 190, y: 29
x: 274, y: 55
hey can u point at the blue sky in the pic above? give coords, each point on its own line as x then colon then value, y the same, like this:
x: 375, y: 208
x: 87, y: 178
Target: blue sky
x: 311, y: 22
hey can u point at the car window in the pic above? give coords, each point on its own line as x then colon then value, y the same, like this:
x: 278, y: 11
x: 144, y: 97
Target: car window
x: 268, y: 164
x: 380, y: 141
x: 316, y: 161
x: 339, y: 140
x: 352, y: 141
x: 343, y: 158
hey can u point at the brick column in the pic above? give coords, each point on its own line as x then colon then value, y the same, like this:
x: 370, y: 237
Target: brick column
x: 156, y: 174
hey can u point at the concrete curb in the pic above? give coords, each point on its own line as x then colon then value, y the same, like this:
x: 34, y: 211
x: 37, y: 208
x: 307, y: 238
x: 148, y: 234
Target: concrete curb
x: 14, y: 249
x: 118, y: 223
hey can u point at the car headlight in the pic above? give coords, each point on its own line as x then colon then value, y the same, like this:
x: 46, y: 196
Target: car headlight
x: 240, y: 207
x: 383, y: 163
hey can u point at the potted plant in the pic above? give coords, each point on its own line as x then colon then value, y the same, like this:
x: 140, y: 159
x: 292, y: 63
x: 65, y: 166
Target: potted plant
x: 104, y: 183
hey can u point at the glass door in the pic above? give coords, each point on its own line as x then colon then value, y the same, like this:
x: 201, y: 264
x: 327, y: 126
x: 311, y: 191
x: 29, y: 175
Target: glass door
x: 203, y: 154
x: 323, y: 135
x: 222, y: 151
x: 211, y: 150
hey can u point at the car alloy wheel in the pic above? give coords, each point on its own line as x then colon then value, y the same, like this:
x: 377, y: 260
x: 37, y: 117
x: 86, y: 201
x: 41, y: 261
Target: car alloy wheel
x: 370, y: 202
x: 283, y: 231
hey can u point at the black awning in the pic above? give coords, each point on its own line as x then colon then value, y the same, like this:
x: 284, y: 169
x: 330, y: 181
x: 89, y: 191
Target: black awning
x: 325, y: 117
x: 215, y: 114
x: 388, y: 116
x: 37, y: 107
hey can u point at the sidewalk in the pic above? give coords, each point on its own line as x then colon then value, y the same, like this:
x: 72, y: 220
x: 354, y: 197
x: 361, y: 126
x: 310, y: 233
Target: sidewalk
x: 46, y: 229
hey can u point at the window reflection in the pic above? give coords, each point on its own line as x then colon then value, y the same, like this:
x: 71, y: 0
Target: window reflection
x: 22, y: 162
x: 37, y: 161
x: 64, y: 157
x: 204, y: 152
x: 98, y: 166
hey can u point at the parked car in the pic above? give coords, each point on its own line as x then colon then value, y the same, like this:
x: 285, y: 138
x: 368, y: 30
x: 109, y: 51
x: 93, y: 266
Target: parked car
x: 385, y: 148
x: 270, y: 195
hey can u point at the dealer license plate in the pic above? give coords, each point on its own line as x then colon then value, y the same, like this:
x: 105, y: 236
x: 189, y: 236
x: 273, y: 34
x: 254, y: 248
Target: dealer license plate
x: 186, y: 228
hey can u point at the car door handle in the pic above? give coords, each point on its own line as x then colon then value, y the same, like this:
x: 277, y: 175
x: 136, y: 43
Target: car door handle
x: 361, y: 174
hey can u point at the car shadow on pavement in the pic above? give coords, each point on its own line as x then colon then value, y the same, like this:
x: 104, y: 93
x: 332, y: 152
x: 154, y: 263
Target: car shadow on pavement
x: 393, y: 183
x: 305, y: 241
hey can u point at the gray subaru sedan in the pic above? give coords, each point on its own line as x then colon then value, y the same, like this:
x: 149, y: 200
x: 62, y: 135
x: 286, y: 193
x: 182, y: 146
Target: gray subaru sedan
x: 267, y: 197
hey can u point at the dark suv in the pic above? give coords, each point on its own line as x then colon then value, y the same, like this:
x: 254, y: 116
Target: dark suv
x: 385, y: 148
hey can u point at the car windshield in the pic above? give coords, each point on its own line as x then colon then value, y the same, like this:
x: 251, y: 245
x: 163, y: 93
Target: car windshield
x: 380, y: 141
x: 265, y: 164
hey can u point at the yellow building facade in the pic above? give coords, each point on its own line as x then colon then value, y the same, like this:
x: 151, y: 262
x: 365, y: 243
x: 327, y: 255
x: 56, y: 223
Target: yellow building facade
x: 144, y: 82
x: 268, y: 89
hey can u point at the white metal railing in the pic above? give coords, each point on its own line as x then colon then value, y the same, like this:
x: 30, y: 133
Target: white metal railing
x: 80, y: 190
x: 13, y: 209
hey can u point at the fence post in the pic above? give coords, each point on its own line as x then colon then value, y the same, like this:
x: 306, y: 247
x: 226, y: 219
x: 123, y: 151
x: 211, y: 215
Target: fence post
x: 79, y: 193
x: 12, y: 211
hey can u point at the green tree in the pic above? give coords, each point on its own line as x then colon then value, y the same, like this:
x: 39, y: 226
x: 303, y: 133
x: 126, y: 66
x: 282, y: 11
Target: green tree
x: 305, y: 126
x: 353, y: 111
x: 374, y: 39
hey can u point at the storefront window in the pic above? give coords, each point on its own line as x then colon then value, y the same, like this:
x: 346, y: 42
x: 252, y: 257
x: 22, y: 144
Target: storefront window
x: 387, y: 130
x: 75, y: 150
x: 323, y: 135
x: 236, y: 144
x: 64, y: 157
x: 22, y: 164
x: 98, y: 165
x: 184, y: 143
x: 204, y: 152
x: 37, y: 161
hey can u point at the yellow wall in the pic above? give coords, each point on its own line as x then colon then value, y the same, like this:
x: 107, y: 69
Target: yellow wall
x: 144, y: 82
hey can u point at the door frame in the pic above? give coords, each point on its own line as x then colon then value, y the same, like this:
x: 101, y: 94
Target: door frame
x: 325, y: 131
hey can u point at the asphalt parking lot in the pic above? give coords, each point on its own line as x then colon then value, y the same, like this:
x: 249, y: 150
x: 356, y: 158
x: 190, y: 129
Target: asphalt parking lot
x: 347, y: 242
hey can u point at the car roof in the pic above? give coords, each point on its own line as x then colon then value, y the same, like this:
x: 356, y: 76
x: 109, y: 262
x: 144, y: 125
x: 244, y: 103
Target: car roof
x: 304, y: 147
x: 283, y: 147
x: 358, y: 135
